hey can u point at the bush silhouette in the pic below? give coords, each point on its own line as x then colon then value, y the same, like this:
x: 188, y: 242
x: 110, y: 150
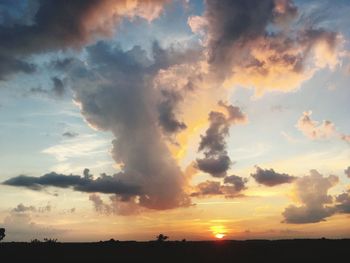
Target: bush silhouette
x: 2, y: 233
x: 50, y: 240
x: 161, y: 238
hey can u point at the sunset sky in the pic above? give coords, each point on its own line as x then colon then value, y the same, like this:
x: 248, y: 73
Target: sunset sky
x: 197, y: 119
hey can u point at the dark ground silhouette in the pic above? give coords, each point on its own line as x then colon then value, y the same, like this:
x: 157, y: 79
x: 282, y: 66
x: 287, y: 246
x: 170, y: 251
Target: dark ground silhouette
x: 320, y: 250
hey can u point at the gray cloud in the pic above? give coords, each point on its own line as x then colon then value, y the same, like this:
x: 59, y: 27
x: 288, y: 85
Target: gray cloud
x: 118, y: 95
x: 20, y: 208
x: 69, y: 134
x: 20, y: 225
x: 116, y: 205
x: 238, y: 182
x: 213, y: 144
x: 230, y: 21
x: 316, y: 204
x: 242, y: 48
x: 109, y: 184
x: 57, y: 91
x: 58, y: 87
x: 231, y: 187
x: 10, y: 65
x: 43, y: 26
x: 167, y: 117
x: 62, y: 64
x: 343, y: 202
x: 269, y: 177
x: 347, y: 171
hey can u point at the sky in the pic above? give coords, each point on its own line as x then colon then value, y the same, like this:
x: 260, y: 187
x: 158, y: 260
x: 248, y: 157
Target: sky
x: 197, y: 119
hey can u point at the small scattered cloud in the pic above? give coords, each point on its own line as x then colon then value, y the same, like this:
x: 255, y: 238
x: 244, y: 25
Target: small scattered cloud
x: 231, y: 187
x: 69, y: 134
x: 269, y: 177
x: 318, y: 131
x: 20, y: 208
x: 20, y: 224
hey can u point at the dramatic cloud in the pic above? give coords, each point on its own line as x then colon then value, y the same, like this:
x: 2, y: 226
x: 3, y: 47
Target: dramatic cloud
x: 312, y: 193
x: 216, y: 161
x: 269, y: 177
x: 118, y: 94
x: 315, y: 131
x: 62, y: 24
x: 103, y: 184
x: 255, y: 44
x: 232, y: 187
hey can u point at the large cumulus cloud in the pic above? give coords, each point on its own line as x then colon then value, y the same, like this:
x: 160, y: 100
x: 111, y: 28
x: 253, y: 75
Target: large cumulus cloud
x: 316, y: 204
x: 118, y: 94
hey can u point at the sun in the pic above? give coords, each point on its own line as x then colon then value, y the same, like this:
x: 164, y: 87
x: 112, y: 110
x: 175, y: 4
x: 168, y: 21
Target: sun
x: 219, y: 232
x: 219, y: 235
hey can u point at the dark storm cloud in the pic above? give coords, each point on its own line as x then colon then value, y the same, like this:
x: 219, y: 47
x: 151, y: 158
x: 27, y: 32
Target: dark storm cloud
x: 316, y: 203
x: 269, y: 177
x: 103, y: 184
x: 213, y: 144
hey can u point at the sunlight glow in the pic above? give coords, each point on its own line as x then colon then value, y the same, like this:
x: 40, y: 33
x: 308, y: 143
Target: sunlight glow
x: 219, y: 236
x: 218, y: 231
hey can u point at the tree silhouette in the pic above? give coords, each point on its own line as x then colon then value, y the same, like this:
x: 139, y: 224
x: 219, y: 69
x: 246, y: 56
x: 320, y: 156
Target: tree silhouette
x: 161, y: 238
x: 2, y: 233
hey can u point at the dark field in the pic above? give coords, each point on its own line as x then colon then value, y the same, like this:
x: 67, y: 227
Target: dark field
x: 220, y: 251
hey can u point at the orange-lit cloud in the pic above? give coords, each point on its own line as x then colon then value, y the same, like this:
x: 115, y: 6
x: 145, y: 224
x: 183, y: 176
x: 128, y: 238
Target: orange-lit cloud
x: 315, y: 131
